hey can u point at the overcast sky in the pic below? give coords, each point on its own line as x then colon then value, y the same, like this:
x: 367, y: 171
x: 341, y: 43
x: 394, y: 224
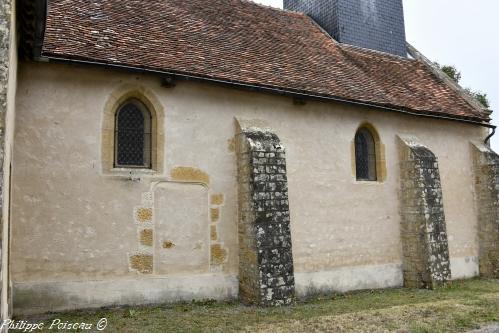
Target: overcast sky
x: 460, y: 33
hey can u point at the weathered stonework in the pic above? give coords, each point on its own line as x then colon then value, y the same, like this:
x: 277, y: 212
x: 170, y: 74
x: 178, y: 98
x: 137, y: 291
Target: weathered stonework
x: 217, y: 199
x: 423, y: 230
x: 215, y: 214
x: 231, y: 145
x: 188, y: 174
x: 218, y: 252
x: 266, y: 274
x: 143, y: 263
x: 146, y: 237
x: 486, y: 165
x: 7, y: 68
x: 143, y: 260
x: 143, y: 215
x: 213, y: 232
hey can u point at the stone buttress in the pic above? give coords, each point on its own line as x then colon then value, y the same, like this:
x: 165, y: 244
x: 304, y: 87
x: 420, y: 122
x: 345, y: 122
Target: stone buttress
x: 266, y: 274
x: 486, y: 165
x: 423, y: 229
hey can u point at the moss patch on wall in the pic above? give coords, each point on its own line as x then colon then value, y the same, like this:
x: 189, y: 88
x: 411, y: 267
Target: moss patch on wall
x: 190, y: 174
x: 142, y: 263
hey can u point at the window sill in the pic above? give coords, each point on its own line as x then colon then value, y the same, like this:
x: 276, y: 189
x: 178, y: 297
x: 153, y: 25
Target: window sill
x: 368, y: 182
x: 133, y: 170
x: 130, y: 173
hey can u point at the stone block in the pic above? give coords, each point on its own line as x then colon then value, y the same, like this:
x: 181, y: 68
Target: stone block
x: 143, y: 215
x: 218, y: 254
x: 146, y: 237
x: 217, y: 199
x: 215, y: 214
x: 143, y: 263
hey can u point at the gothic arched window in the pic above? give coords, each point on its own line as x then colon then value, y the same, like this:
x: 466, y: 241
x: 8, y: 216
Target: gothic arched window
x: 132, y: 136
x: 365, y: 155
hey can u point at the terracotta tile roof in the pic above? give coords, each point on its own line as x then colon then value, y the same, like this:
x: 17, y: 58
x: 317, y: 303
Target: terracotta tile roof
x: 243, y: 42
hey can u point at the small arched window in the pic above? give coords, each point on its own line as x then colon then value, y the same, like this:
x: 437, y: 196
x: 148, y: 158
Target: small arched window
x: 365, y: 155
x: 132, y: 136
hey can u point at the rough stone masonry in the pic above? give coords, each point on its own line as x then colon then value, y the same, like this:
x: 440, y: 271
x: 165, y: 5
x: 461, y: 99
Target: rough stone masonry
x: 266, y: 274
x: 423, y: 230
x: 486, y: 164
x: 5, y: 47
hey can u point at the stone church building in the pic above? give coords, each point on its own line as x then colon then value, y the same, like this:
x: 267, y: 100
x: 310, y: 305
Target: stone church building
x: 165, y: 150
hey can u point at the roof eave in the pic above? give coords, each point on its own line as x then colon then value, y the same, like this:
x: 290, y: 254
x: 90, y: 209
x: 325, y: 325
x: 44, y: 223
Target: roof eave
x: 267, y: 89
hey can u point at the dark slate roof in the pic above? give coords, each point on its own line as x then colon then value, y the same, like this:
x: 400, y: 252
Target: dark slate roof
x: 245, y: 43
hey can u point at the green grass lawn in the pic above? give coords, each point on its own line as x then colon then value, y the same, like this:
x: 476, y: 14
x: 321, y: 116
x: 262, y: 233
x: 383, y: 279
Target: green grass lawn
x: 458, y: 307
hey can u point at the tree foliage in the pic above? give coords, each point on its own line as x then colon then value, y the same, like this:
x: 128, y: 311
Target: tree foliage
x: 455, y: 75
x: 452, y: 72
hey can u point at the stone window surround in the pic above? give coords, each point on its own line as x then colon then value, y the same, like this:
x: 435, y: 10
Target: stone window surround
x: 115, y: 101
x: 379, y: 147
